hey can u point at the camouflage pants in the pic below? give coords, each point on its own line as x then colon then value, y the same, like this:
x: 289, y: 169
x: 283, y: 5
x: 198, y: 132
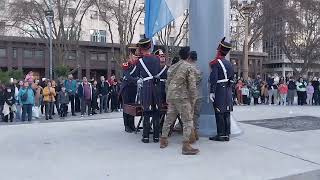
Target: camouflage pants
x: 196, y: 113
x: 184, y: 108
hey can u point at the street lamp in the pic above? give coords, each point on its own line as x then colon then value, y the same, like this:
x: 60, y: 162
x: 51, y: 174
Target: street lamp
x: 49, y: 15
x: 246, y: 6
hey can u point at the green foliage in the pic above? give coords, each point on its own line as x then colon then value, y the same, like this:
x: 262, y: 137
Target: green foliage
x: 4, y: 77
x: 62, y: 71
x: 16, y: 74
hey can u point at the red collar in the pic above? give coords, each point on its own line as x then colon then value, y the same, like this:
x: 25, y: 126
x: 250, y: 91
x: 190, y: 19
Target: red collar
x: 215, y: 60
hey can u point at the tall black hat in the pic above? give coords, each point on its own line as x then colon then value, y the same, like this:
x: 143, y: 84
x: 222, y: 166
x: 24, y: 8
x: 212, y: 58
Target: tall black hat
x: 193, y: 55
x: 224, y: 47
x: 145, y: 43
x: 132, y: 48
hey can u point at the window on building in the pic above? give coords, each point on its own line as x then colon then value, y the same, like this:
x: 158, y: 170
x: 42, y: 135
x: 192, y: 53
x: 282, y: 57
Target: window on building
x: 71, y: 55
x: 2, y: 27
x: 102, y: 57
x: 3, y: 52
x: 94, y: 35
x: 14, y: 51
x: 93, y: 56
x: 39, y: 54
x: 172, y: 24
x: 186, y: 25
x: 103, y: 36
x: 94, y: 14
x: 27, y: 53
x: 171, y: 41
x: 71, y: 12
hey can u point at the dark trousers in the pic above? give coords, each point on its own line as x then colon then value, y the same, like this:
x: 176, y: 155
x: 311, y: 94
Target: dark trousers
x: 77, y: 103
x: 255, y: 100
x: 85, y: 106
x: 56, y: 104
x: 155, y: 122
x: 316, y: 98
x: 128, y: 121
x: 103, y: 103
x: 63, y: 110
x: 26, y: 109
x: 72, y: 100
x: 94, y: 105
x: 114, y: 102
x: 49, y: 109
x: 301, y: 97
x: 9, y: 117
x: 223, y: 123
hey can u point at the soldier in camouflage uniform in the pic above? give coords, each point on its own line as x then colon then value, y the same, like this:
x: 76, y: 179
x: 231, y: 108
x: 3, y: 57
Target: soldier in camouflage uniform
x: 181, y: 92
x: 196, y: 108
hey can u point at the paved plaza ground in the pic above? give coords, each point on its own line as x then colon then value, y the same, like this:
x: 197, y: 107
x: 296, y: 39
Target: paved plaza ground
x: 96, y: 148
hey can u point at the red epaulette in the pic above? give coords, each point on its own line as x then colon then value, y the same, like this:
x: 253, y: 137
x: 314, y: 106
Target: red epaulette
x: 215, y: 61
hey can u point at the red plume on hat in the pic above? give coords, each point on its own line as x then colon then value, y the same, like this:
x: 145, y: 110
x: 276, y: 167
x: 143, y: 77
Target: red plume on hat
x: 125, y: 66
x: 222, y: 50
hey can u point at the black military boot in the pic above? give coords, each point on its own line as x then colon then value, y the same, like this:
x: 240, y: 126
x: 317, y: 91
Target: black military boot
x: 217, y: 138
x: 145, y: 140
x: 156, y: 139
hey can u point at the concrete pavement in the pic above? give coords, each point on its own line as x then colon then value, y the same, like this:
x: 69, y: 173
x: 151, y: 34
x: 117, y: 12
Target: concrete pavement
x: 98, y: 149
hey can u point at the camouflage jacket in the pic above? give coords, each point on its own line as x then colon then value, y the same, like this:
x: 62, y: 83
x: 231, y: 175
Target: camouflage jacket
x: 198, y: 75
x: 181, y: 82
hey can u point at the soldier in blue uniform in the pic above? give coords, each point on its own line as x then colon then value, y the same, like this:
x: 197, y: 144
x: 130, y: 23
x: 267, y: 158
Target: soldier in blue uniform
x: 148, y: 68
x: 128, y: 89
x: 221, y: 79
x: 162, y: 75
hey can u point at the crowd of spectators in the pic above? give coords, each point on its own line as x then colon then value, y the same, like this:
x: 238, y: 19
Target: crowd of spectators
x: 31, y: 98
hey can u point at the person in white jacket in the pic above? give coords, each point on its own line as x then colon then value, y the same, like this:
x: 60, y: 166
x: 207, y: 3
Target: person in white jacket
x: 301, y: 91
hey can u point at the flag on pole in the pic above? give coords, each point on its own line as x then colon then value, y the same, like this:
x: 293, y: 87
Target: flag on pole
x: 160, y: 13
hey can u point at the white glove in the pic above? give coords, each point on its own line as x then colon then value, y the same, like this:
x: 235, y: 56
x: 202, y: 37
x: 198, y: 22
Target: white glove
x: 212, y: 97
x: 140, y: 81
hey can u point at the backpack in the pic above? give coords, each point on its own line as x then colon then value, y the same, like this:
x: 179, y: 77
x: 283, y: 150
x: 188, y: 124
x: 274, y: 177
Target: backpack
x: 24, y: 96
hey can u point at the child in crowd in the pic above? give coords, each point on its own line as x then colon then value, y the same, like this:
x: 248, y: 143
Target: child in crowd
x: 255, y: 95
x: 310, y: 91
x: 64, y: 101
x: 283, y: 91
x: 245, y: 94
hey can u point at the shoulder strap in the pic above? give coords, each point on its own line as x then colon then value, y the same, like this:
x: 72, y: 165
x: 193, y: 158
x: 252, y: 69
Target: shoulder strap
x: 223, y: 68
x: 133, y: 70
x: 163, y: 69
x: 145, y: 67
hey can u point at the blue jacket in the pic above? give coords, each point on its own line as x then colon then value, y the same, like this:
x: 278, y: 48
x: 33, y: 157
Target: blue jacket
x: 30, y: 99
x: 70, y: 88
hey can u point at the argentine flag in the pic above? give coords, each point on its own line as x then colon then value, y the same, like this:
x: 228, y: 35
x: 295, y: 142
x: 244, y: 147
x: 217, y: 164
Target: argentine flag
x: 160, y: 13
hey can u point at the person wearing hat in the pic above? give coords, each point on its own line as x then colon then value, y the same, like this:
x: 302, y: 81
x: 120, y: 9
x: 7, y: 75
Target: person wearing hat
x: 196, y: 108
x: 128, y: 89
x: 162, y: 74
x: 221, y: 77
x: 148, y: 67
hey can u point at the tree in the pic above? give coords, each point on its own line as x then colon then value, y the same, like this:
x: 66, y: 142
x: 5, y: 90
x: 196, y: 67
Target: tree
x: 125, y: 15
x: 299, y: 37
x: 28, y: 17
x: 171, y: 40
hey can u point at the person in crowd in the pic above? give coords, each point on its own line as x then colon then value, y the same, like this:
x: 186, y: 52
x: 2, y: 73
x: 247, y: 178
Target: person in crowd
x: 264, y: 92
x: 283, y: 91
x: 301, y: 86
x: 110, y: 82
x: 29, y: 78
x: 239, y: 86
x: 291, y: 90
x: 57, y: 89
x: 103, y: 94
x: 71, y: 87
x: 63, y: 98
x: 315, y: 97
x: 43, y: 84
x: 95, y: 94
x: 114, y: 92
x: 49, y: 94
x: 273, y: 89
x: 9, y: 107
x: 2, y: 99
x: 85, y: 95
x: 37, y: 99
x: 310, y: 92
x: 245, y: 94
x: 26, y: 99
x: 255, y: 94
x: 18, y: 105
